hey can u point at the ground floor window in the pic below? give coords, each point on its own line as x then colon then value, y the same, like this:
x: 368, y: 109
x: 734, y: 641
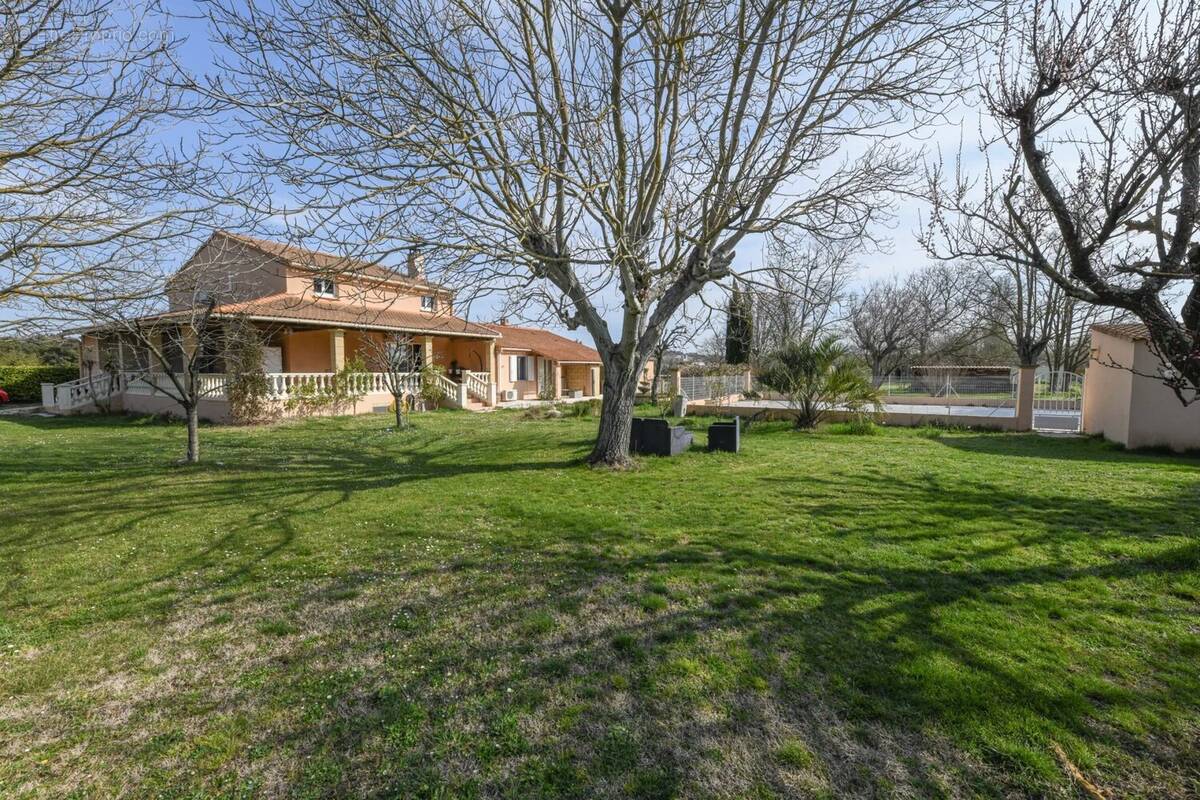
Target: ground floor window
x: 520, y: 368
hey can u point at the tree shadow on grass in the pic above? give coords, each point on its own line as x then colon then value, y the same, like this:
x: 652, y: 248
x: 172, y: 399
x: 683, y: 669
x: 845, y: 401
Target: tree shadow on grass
x: 891, y: 674
x: 924, y: 634
x: 852, y: 660
x: 1068, y: 449
x: 251, y: 497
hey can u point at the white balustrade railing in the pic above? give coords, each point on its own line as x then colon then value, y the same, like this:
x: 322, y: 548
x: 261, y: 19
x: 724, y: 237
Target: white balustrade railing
x: 81, y: 391
x: 455, y: 393
x: 209, y: 385
x: 479, y: 385
x: 280, y: 386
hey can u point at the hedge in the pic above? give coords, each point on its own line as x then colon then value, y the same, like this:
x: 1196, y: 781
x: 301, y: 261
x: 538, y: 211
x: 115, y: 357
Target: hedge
x: 24, y: 384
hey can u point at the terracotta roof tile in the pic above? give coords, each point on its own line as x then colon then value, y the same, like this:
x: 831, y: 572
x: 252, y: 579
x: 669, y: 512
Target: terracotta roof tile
x: 545, y: 343
x: 303, y: 258
x: 1134, y: 331
x: 289, y: 308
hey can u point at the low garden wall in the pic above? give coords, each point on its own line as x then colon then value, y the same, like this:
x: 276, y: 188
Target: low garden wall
x: 218, y: 410
x: 897, y: 419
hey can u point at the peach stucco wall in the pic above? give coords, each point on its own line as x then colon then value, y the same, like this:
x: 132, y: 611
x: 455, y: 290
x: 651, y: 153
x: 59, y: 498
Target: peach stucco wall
x: 526, y: 390
x: 363, y: 294
x: 1107, y: 392
x: 1134, y: 409
x: 307, y: 351
x: 1158, y: 418
x: 577, y: 376
x: 230, y: 271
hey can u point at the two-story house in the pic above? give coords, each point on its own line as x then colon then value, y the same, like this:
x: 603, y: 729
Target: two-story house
x: 314, y: 312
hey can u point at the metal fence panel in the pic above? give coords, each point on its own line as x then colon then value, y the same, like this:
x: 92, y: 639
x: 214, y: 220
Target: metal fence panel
x: 708, y: 387
x: 1000, y: 388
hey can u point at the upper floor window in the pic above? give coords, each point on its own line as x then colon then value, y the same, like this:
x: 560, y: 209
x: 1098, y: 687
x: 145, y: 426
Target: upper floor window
x: 324, y: 287
x: 428, y: 302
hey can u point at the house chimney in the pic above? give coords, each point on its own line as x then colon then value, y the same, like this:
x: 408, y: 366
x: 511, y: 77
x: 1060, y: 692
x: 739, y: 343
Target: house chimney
x: 502, y: 321
x: 416, y: 263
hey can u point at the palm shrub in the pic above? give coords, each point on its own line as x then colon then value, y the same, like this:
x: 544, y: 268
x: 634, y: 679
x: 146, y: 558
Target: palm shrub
x: 817, y: 377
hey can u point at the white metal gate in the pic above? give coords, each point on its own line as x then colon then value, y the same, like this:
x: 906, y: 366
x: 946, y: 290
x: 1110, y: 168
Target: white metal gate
x: 1058, y: 402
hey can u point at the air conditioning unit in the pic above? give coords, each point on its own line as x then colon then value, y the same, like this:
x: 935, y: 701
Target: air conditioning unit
x: 508, y: 394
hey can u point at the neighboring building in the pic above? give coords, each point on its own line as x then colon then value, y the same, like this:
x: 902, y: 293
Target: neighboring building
x: 1125, y: 403
x: 316, y: 311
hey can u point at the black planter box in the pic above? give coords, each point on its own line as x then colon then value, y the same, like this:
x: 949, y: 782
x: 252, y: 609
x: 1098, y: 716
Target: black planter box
x: 654, y: 437
x: 725, y: 436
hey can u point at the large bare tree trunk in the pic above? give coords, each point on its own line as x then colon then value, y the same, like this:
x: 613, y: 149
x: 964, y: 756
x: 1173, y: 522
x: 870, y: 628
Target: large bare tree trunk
x: 193, y: 435
x: 616, y: 420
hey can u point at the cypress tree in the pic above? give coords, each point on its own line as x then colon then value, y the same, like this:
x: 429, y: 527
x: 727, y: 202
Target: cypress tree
x: 739, y: 327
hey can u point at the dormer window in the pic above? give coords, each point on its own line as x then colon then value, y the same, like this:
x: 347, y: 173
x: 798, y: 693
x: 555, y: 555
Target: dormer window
x: 428, y: 302
x: 324, y: 287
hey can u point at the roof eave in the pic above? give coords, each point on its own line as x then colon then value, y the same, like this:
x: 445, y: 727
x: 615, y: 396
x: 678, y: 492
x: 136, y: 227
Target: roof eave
x: 353, y: 325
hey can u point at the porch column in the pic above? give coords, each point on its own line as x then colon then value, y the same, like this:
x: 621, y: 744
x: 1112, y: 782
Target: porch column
x: 677, y: 380
x: 557, y: 379
x: 493, y: 392
x: 1025, y: 382
x: 337, y: 349
x: 156, y: 339
x: 189, y: 342
x: 189, y: 348
x: 596, y: 381
x: 427, y: 350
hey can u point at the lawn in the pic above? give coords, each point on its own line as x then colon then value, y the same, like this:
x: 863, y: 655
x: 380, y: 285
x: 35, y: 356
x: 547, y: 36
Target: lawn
x: 330, y: 609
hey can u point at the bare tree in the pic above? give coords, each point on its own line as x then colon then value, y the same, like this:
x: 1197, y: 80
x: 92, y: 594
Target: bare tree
x: 397, y: 357
x: 170, y: 334
x: 943, y: 321
x: 1101, y: 107
x: 996, y: 230
x: 804, y: 293
x: 879, y: 324
x: 86, y: 176
x: 171, y: 354
x: 680, y: 333
x: 571, y: 152
x: 1070, y: 336
x: 925, y: 317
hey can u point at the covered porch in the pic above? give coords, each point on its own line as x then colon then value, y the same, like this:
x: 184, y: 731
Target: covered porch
x: 122, y: 372
x: 296, y: 354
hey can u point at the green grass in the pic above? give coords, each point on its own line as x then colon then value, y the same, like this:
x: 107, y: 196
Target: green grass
x: 328, y: 609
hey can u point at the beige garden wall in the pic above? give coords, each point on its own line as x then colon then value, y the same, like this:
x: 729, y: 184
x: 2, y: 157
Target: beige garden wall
x: 1158, y: 418
x: 1107, y: 391
x: 218, y: 410
x: 1124, y: 404
x: 900, y: 420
